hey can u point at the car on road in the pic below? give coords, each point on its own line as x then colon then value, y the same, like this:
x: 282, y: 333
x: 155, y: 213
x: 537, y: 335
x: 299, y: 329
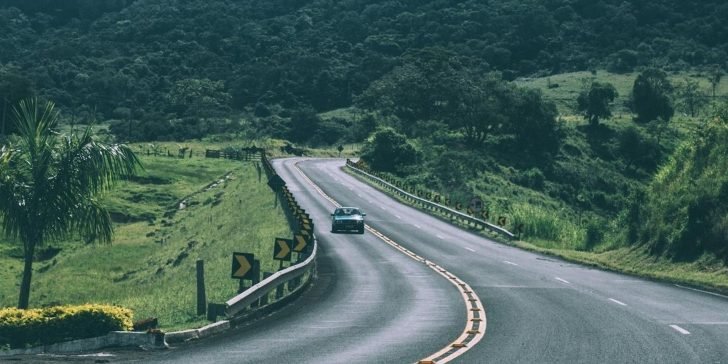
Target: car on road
x: 347, y: 219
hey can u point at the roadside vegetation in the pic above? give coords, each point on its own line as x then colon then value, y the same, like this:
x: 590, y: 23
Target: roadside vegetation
x: 174, y: 212
x: 622, y: 193
x: 604, y: 145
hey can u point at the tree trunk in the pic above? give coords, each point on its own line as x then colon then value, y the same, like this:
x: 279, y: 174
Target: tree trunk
x: 27, y: 275
x: 5, y: 108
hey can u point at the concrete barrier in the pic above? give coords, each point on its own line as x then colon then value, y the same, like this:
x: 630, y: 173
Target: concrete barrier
x: 148, y: 341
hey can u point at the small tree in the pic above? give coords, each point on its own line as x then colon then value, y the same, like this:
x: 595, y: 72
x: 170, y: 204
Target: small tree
x: 716, y: 74
x: 48, y: 184
x: 651, y: 96
x: 690, y: 98
x: 389, y: 151
x: 595, y: 102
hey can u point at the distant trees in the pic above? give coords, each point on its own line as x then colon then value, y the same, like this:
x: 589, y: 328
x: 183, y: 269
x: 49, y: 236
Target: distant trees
x: 199, y: 97
x: 595, y: 102
x: 651, y: 96
x: 49, y: 184
x: 14, y: 86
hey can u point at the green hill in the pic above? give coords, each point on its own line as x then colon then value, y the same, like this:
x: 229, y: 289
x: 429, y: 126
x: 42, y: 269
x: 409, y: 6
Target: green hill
x: 685, y: 209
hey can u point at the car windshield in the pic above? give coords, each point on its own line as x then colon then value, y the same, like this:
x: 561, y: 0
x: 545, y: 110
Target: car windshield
x: 346, y: 212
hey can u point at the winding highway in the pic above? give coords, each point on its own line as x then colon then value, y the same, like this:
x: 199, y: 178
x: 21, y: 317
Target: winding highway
x: 372, y: 303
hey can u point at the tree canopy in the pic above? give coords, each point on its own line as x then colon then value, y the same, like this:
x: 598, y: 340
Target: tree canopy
x: 320, y: 54
x: 48, y: 184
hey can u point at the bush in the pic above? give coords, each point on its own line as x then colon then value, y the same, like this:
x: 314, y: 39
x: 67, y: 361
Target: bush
x: 594, y: 234
x: 21, y: 328
x: 531, y: 178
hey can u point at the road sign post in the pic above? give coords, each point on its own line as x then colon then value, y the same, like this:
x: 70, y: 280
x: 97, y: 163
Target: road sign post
x: 201, y: 296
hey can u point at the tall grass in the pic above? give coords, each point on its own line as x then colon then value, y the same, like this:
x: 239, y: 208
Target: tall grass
x: 550, y: 229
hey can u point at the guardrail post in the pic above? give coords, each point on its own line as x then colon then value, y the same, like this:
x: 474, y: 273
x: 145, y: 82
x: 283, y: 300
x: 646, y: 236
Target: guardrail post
x: 264, y: 299
x: 256, y: 279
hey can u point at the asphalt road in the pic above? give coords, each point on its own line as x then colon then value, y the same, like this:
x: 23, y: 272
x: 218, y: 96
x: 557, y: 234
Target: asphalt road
x: 373, y: 304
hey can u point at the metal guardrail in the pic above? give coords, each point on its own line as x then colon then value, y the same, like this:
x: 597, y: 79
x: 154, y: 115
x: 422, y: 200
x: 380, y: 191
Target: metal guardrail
x: 251, y: 295
x: 432, y: 205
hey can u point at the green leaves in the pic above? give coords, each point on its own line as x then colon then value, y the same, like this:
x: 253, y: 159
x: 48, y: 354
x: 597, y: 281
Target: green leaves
x: 49, y: 183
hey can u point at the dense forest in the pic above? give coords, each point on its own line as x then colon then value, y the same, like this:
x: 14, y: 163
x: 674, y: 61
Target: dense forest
x: 142, y: 59
x: 429, y: 83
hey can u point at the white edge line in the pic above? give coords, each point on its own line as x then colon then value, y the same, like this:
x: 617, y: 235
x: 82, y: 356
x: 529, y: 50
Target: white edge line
x: 702, y: 291
x: 470, y: 249
x: 511, y: 263
x: 618, y: 302
x: 562, y: 280
x: 680, y: 330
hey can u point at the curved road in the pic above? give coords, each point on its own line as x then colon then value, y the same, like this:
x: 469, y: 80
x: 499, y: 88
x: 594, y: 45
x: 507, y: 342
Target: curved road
x: 373, y: 304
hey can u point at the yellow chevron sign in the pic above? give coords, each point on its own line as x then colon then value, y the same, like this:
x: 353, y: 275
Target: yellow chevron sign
x: 282, y: 249
x: 301, y: 243
x: 243, y: 266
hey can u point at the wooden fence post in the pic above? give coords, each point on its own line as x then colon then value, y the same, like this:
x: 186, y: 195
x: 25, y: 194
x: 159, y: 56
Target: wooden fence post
x: 201, y: 296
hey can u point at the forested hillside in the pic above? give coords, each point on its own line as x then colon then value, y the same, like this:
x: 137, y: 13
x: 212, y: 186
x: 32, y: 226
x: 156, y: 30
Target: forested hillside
x: 425, y: 86
x: 136, y: 60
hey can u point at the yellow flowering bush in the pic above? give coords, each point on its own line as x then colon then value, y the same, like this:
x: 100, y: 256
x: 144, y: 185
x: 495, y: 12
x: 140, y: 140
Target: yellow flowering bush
x: 21, y: 328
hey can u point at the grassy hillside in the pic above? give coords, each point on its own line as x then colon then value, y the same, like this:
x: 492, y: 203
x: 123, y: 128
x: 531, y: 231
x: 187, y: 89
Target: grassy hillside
x: 586, y: 202
x: 150, y: 266
x: 685, y: 211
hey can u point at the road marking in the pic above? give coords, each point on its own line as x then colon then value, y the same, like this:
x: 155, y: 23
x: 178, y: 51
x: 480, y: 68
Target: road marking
x: 399, y: 217
x: 701, y: 291
x: 417, y: 226
x: 511, y: 263
x: 476, y: 318
x: 680, y: 330
x: 466, y: 248
x: 618, y: 302
x: 562, y: 280
x: 708, y: 323
x: 440, y: 237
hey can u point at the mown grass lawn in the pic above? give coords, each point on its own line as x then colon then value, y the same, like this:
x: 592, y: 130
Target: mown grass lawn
x: 150, y: 265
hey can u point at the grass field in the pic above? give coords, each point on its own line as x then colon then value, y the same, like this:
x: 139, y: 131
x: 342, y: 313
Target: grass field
x: 150, y: 265
x: 565, y: 88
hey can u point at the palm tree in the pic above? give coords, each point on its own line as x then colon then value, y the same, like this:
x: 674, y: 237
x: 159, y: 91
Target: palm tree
x: 49, y: 183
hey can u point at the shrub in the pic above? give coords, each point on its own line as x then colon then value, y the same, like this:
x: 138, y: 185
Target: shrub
x: 21, y: 328
x: 594, y: 234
